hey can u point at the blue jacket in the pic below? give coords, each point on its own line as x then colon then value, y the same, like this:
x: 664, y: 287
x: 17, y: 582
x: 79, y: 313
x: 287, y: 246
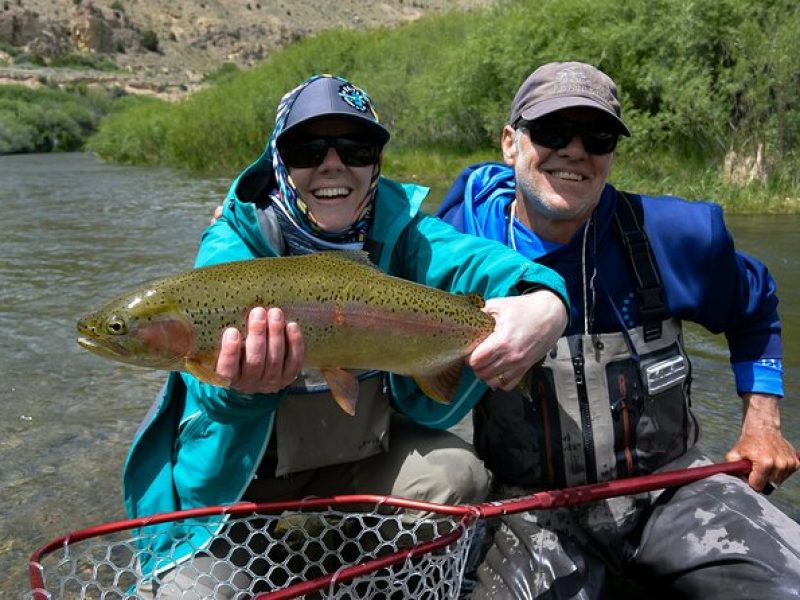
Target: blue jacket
x: 705, y: 279
x: 200, y: 445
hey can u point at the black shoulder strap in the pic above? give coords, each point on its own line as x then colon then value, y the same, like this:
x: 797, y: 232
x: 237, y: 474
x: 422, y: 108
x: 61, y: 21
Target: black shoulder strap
x: 628, y: 219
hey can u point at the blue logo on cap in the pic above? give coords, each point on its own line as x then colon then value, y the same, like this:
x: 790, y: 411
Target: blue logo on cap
x: 354, y: 97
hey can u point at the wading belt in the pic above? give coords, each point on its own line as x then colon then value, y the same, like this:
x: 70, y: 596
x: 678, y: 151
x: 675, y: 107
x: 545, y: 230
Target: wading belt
x: 628, y: 219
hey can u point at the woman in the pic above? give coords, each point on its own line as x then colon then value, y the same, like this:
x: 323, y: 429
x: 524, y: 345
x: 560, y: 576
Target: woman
x: 317, y: 187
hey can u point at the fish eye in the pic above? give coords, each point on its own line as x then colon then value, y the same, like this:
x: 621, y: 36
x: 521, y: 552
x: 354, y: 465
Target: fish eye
x: 116, y: 326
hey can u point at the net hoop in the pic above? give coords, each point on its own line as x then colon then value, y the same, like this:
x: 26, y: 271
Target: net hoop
x: 443, y: 554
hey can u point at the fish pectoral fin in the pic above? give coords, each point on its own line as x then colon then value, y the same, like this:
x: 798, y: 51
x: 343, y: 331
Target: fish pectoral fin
x: 205, y: 373
x: 441, y: 386
x: 344, y: 388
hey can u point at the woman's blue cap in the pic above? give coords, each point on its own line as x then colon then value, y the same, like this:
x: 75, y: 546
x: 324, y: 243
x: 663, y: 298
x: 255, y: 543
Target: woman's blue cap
x: 334, y: 97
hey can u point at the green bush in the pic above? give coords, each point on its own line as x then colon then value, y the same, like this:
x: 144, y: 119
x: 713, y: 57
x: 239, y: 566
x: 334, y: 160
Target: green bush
x: 48, y: 119
x: 150, y: 41
x: 134, y: 133
x: 83, y: 61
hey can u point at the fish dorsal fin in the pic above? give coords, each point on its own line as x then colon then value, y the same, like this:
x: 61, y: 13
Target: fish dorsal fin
x: 360, y: 257
x: 441, y: 386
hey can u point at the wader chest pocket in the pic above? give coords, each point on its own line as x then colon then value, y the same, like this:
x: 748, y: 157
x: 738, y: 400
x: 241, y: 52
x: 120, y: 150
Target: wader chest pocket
x: 664, y: 374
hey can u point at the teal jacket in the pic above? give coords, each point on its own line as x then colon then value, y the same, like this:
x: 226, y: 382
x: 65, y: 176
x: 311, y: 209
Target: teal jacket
x: 200, y: 445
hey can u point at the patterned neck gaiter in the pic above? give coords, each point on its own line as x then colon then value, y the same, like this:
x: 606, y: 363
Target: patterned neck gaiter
x: 301, y: 231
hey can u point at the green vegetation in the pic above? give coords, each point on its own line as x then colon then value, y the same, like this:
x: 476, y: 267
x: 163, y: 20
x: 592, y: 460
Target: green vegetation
x: 48, y: 119
x: 150, y: 40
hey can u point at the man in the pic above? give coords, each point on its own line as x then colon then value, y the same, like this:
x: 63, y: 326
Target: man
x: 612, y: 398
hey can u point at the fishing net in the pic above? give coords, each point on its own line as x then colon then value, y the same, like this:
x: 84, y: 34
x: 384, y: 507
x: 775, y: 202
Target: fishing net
x: 347, y: 547
x: 335, y: 551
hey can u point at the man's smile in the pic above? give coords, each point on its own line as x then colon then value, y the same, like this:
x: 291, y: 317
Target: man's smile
x: 568, y: 175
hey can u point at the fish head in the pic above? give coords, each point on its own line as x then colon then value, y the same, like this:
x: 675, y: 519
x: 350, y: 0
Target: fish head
x: 141, y: 328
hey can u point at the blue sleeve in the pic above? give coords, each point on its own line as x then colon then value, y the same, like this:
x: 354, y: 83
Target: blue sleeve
x: 221, y: 242
x: 763, y: 376
x: 726, y: 291
x: 227, y: 406
x: 432, y: 252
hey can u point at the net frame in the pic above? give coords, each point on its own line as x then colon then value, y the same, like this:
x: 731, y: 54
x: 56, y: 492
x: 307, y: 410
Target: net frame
x: 465, y: 518
x: 443, y: 555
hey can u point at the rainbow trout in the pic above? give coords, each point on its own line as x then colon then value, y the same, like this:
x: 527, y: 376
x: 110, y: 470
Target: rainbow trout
x: 352, y: 315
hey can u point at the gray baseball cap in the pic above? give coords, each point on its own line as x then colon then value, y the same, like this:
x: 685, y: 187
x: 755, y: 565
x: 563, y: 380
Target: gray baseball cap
x: 334, y: 97
x: 558, y: 85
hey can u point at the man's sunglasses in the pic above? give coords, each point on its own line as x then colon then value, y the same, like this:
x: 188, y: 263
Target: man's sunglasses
x: 310, y: 152
x: 558, y: 133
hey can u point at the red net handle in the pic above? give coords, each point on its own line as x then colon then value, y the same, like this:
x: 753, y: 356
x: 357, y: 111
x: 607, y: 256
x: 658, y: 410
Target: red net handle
x: 583, y: 494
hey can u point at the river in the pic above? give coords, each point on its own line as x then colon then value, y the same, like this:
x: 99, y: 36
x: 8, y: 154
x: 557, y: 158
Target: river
x: 77, y: 231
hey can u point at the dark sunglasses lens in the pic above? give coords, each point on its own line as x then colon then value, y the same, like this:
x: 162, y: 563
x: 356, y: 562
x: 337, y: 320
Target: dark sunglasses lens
x: 551, y: 134
x: 557, y: 134
x: 599, y: 142
x: 304, y: 155
x: 310, y: 153
x: 355, y: 153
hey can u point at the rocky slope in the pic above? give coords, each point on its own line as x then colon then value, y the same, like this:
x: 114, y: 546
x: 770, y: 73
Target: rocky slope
x: 168, y: 47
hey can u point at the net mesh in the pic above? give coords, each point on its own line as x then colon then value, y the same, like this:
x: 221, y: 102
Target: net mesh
x: 260, y: 553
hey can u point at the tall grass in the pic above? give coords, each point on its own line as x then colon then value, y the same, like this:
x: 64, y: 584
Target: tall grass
x: 699, y: 79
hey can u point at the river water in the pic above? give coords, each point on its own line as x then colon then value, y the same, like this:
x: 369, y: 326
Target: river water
x: 77, y: 231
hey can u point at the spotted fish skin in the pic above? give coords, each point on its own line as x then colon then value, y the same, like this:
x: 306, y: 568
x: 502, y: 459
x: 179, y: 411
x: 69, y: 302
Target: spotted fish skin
x: 352, y: 315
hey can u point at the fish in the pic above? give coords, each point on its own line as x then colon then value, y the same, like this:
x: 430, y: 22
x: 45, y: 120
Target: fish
x: 352, y: 315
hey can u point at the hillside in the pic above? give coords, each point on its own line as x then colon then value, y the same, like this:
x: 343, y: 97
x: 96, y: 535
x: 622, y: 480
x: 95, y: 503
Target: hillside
x: 169, y: 47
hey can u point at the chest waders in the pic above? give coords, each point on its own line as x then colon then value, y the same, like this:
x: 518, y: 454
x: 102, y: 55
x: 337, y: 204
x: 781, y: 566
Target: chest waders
x: 602, y: 406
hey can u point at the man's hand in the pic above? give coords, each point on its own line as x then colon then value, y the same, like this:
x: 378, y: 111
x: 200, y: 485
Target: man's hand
x: 217, y: 214
x: 526, y: 328
x: 762, y: 443
x: 270, y: 358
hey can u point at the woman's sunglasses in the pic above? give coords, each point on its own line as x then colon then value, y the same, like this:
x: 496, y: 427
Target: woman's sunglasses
x: 310, y: 152
x: 557, y: 133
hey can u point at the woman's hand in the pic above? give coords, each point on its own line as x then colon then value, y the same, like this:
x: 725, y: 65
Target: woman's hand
x: 270, y: 358
x: 526, y: 328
